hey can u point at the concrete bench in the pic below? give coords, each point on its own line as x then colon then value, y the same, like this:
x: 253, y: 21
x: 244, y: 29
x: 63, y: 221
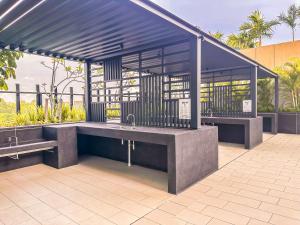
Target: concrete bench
x: 21, y: 149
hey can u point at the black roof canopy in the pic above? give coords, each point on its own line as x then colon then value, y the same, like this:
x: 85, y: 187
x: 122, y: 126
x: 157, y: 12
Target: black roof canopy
x: 97, y: 29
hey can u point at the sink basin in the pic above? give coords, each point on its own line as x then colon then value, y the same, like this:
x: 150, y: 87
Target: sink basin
x: 123, y: 127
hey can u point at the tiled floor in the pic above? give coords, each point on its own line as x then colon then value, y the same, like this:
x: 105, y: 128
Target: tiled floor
x: 259, y: 187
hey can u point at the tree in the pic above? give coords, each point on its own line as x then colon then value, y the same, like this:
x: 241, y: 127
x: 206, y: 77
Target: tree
x: 290, y: 80
x: 257, y: 27
x: 8, y: 66
x: 265, y: 95
x: 240, y: 41
x: 72, y: 74
x: 290, y: 18
x: 218, y: 35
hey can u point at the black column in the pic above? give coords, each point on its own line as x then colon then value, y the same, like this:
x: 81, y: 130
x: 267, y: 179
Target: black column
x: 18, y: 99
x: 253, y: 85
x: 87, y: 92
x: 195, y: 82
x: 276, y: 97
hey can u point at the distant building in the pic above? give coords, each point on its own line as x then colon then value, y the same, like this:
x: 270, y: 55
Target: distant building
x: 274, y: 55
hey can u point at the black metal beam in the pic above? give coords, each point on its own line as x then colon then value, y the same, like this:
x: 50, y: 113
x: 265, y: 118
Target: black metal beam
x: 276, y: 97
x: 87, y: 90
x: 253, y: 87
x: 195, y: 82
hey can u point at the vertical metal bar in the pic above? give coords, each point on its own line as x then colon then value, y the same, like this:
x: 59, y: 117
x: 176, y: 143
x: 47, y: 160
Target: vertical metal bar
x: 18, y: 99
x: 253, y: 85
x: 88, y: 97
x: 276, y: 97
x: 71, y: 97
x: 38, y: 96
x: 195, y: 82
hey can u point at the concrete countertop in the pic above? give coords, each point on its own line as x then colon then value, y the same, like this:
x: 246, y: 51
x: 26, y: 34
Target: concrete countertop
x: 143, y: 134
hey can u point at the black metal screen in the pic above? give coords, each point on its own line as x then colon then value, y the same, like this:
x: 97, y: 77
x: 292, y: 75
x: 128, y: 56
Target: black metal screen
x: 223, y: 93
x: 151, y: 84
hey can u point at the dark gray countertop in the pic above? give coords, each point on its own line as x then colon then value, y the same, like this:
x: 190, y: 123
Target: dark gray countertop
x: 143, y: 134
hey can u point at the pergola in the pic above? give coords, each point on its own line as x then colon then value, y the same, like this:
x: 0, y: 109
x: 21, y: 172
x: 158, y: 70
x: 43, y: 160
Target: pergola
x: 151, y: 59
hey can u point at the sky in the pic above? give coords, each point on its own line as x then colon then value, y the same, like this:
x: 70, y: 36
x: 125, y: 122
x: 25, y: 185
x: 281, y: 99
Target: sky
x: 227, y: 15
x: 210, y: 15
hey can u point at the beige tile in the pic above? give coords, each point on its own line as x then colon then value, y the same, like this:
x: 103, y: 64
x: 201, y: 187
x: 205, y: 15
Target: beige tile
x: 212, y: 201
x: 134, y: 208
x: 197, y: 206
x: 289, y: 204
x: 257, y: 222
x: 259, y: 197
x: 225, y: 215
x: 247, y: 187
x: 96, y: 220
x: 164, y: 218
x: 58, y: 220
x: 144, y: 221
x: 282, y: 220
x: 240, y: 200
x: 288, y: 212
x: 14, y: 216
x: 218, y: 222
x: 267, y: 185
x: 172, y: 208
x: 285, y: 195
x: 248, y: 211
x: 193, y: 217
x: 123, y: 218
x: 213, y: 193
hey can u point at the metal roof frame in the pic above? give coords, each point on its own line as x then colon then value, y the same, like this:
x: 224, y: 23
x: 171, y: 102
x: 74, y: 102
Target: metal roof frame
x: 169, y: 29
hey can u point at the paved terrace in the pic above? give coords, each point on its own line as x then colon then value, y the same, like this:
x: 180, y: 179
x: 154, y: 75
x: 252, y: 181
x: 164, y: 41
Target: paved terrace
x: 256, y: 187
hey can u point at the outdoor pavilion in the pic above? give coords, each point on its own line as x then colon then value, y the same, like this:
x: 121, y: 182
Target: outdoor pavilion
x: 167, y: 56
x: 153, y: 65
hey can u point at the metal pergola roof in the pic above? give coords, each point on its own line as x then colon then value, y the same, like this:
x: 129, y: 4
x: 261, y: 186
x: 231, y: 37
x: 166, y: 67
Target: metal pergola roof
x: 93, y: 30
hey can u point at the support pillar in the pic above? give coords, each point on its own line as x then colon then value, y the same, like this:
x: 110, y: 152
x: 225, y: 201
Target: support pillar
x: 253, y: 86
x: 88, y: 92
x: 195, y: 82
x: 276, y: 97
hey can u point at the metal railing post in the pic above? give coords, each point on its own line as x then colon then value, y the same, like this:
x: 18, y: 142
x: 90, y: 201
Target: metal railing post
x: 71, y: 97
x: 18, y: 99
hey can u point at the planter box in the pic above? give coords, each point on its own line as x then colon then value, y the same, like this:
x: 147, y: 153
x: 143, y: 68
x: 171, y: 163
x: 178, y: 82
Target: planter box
x: 270, y: 122
x: 289, y: 122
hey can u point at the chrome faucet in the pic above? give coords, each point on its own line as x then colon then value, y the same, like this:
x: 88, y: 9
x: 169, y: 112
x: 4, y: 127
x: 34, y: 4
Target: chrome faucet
x: 210, y: 112
x: 133, y: 119
x: 10, y: 139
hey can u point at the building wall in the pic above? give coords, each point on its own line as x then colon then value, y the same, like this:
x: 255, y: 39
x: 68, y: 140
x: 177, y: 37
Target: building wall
x: 274, y: 55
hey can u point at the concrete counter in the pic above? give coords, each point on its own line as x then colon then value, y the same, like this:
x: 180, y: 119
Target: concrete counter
x: 187, y: 155
x: 247, y: 131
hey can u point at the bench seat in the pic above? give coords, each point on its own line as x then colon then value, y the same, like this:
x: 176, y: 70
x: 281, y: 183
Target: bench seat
x: 27, y: 148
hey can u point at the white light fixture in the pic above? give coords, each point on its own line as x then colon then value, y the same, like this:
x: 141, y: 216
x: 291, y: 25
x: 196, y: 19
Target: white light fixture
x: 24, y: 14
x: 10, y: 8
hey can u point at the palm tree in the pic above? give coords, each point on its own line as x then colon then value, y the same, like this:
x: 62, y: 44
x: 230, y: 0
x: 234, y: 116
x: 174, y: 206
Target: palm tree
x: 218, y: 35
x: 240, y: 41
x: 290, y: 18
x: 290, y: 80
x: 258, y: 27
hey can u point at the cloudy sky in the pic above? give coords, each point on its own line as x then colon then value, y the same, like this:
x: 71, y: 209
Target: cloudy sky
x: 210, y: 15
x: 227, y: 15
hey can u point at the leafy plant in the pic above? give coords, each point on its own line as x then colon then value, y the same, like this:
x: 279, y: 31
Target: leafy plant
x: 8, y: 66
x: 258, y: 27
x: 290, y: 82
x: 265, y: 95
x: 290, y: 18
